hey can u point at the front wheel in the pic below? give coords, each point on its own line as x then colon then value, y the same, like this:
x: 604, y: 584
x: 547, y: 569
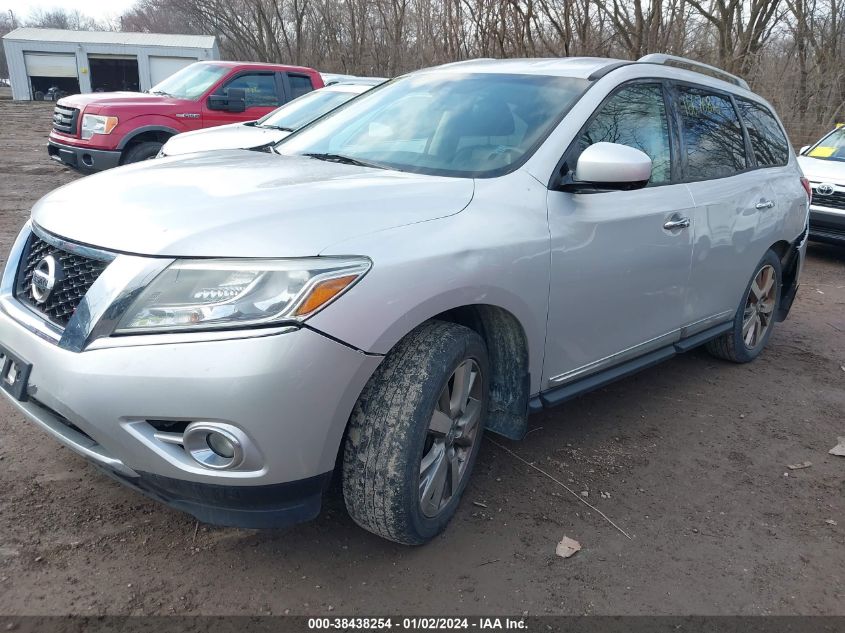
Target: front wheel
x: 142, y: 151
x: 755, y: 317
x: 415, y: 433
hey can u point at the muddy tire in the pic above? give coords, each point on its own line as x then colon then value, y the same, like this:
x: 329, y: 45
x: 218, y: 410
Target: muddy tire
x: 415, y: 432
x: 141, y: 151
x: 755, y: 317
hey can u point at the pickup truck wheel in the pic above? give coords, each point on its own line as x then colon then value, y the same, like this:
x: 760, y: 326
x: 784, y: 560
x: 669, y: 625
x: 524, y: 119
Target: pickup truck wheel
x: 141, y: 151
x: 415, y: 432
x: 754, y: 319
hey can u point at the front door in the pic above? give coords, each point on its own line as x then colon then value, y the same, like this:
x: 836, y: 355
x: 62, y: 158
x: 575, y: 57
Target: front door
x: 263, y: 94
x: 619, y: 270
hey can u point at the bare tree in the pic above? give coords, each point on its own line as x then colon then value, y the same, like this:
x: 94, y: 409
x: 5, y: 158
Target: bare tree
x: 792, y: 51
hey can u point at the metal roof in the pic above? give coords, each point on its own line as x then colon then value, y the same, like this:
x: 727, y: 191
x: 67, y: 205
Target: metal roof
x: 27, y: 34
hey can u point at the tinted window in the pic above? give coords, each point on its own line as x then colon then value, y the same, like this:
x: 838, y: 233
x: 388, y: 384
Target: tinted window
x: 299, y: 85
x: 767, y: 140
x: 712, y: 134
x: 635, y: 116
x: 260, y: 90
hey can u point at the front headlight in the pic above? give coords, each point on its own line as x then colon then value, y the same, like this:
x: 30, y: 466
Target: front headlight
x: 95, y: 124
x: 201, y: 294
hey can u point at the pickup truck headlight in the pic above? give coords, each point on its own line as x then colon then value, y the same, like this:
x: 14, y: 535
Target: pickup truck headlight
x: 95, y: 124
x: 197, y: 294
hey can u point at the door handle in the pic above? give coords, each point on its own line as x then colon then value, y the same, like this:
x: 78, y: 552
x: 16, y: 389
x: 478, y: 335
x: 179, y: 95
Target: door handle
x: 679, y: 223
x: 765, y: 204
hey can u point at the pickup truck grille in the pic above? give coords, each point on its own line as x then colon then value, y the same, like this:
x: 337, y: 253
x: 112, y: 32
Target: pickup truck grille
x: 65, y: 119
x: 836, y: 200
x: 74, y: 276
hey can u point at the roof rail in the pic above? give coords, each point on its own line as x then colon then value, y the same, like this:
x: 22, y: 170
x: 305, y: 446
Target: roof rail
x: 691, y: 64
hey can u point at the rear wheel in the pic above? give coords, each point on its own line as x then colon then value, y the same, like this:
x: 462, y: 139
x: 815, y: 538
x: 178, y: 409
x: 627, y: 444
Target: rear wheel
x: 415, y: 432
x: 754, y: 319
x: 141, y: 151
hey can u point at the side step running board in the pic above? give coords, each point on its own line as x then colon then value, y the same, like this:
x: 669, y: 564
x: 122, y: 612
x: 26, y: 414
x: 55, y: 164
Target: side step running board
x: 559, y: 395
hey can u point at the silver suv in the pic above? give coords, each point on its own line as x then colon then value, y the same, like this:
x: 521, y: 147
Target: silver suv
x: 444, y: 255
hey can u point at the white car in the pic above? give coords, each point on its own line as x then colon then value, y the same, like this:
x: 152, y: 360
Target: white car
x: 268, y: 130
x: 824, y: 166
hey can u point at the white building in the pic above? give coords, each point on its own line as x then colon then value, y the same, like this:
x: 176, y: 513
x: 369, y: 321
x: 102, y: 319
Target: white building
x: 97, y: 61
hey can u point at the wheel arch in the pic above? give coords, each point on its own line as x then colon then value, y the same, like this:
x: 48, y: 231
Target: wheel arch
x: 158, y: 133
x: 508, y: 352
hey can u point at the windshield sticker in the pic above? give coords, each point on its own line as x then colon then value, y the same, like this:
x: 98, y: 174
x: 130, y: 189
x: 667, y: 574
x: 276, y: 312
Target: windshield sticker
x: 822, y: 152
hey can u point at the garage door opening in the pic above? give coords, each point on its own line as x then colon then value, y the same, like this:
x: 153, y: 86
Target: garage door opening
x: 53, y: 88
x: 51, y: 76
x: 113, y: 72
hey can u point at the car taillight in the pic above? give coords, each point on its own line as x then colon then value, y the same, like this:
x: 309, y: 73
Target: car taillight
x: 807, y: 188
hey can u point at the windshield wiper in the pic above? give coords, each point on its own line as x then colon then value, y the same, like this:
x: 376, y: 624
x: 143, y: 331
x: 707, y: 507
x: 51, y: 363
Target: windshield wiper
x: 159, y: 92
x: 276, y: 127
x: 346, y: 160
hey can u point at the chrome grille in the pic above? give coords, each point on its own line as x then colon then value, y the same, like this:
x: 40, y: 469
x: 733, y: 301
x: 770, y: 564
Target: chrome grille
x: 65, y: 119
x: 836, y: 200
x: 75, y: 275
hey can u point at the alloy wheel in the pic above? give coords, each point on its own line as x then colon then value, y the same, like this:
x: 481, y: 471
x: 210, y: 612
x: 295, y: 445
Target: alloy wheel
x: 452, y: 434
x: 760, y: 307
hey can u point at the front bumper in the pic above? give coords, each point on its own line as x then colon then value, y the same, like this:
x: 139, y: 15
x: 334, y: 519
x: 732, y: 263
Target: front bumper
x: 83, y: 159
x: 827, y: 225
x: 270, y: 506
x: 290, y: 392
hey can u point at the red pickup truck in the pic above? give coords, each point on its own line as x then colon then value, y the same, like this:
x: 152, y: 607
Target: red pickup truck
x: 96, y: 131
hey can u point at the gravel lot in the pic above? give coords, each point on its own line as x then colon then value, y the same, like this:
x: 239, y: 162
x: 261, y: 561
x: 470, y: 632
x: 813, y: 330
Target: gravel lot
x: 693, y: 455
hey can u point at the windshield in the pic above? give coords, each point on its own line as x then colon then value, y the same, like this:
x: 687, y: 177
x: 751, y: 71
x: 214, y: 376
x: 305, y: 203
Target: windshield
x: 191, y: 82
x: 831, y: 147
x: 305, y: 109
x: 470, y: 125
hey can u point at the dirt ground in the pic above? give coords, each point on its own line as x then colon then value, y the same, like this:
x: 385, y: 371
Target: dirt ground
x: 691, y: 457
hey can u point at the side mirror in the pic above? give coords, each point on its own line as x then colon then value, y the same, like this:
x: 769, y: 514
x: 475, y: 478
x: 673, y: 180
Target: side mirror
x: 803, y: 150
x: 233, y: 101
x: 611, y: 166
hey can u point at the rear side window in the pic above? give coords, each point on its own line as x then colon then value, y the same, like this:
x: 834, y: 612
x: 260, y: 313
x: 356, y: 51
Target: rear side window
x: 635, y: 116
x: 713, y: 139
x: 767, y: 140
x: 299, y: 85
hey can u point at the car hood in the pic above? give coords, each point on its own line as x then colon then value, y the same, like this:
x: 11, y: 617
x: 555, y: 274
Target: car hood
x: 103, y: 101
x: 817, y: 170
x: 242, y: 204
x: 234, y: 136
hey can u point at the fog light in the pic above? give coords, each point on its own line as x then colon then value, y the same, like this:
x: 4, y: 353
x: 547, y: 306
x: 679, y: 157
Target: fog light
x: 214, y: 444
x: 220, y: 444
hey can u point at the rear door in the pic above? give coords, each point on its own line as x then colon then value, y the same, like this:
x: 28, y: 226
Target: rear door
x: 618, y: 273
x: 736, y: 204
x: 263, y: 91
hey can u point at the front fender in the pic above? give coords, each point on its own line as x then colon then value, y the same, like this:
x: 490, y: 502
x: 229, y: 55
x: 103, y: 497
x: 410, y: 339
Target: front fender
x: 152, y: 124
x: 495, y: 252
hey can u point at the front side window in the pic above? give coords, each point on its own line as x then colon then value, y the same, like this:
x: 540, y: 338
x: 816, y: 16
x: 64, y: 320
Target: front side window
x: 767, y: 140
x: 715, y: 145
x: 299, y: 85
x: 831, y: 147
x: 635, y: 116
x: 451, y: 124
x: 259, y: 89
x: 191, y: 82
